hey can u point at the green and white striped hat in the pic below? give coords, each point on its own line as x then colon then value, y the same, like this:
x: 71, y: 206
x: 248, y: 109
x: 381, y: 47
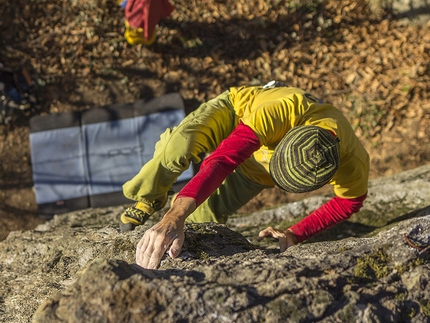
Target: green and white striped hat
x: 305, y: 159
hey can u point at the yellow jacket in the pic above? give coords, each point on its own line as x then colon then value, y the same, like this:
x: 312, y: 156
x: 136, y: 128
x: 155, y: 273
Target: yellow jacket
x: 271, y: 113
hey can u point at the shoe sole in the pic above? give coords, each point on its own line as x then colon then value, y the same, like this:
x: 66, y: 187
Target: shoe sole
x: 125, y: 227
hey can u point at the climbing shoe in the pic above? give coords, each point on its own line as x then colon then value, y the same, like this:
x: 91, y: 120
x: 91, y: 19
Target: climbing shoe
x: 139, y: 213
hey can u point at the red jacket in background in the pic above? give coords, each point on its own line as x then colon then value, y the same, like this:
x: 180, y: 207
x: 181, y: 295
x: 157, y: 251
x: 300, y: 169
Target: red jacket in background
x: 146, y: 14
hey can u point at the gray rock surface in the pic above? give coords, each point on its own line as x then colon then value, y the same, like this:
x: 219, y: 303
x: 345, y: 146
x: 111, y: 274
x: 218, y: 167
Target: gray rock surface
x: 78, y: 267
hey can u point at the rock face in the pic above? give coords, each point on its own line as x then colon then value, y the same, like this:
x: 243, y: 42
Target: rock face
x: 78, y: 267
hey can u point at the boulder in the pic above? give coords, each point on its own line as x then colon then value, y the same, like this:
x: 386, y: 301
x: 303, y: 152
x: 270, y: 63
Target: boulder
x: 375, y: 267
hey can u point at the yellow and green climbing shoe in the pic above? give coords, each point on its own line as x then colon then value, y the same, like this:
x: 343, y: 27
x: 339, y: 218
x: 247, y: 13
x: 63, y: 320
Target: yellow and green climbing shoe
x: 139, y: 213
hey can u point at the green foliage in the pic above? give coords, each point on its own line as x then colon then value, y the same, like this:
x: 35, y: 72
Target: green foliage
x: 401, y: 296
x: 406, y: 88
x: 372, y: 266
x: 191, y: 43
x: 408, y: 313
x: 203, y: 255
x: 402, y: 268
x: 343, y: 249
x: 425, y: 307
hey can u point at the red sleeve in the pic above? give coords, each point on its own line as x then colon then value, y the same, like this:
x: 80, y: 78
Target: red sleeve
x: 333, y: 212
x: 231, y: 152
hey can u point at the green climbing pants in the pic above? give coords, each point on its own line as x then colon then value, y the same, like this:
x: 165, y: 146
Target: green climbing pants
x: 200, y: 132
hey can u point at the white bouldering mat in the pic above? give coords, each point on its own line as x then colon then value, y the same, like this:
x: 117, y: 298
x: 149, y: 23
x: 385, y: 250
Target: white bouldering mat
x: 82, y: 159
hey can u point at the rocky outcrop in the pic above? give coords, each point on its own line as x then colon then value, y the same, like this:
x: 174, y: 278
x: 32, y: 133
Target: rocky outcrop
x: 375, y: 267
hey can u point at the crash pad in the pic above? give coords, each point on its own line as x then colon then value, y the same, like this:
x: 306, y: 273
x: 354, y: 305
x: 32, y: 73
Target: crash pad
x: 82, y: 159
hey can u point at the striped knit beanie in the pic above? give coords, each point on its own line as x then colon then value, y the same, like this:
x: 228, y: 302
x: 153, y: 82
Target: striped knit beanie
x: 305, y: 159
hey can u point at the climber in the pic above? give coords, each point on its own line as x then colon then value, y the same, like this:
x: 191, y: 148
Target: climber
x: 142, y: 17
x: 257, y: 137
